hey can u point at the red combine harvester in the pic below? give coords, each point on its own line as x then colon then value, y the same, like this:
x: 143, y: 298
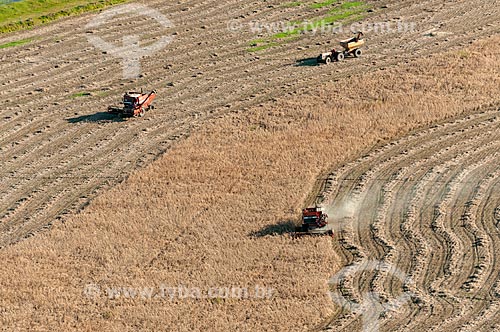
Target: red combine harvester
x: 134, y: 104
x: 314, y: 222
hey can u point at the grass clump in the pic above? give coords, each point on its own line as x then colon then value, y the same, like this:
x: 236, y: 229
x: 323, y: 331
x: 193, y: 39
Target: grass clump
x: 353, y: 4
x: 81, y: 94
x: 463, y: 54
x: 346, y: 5
x: 292, y: 4
x: 322, y: 4
x: 16, y: 43
x: 266, y: 45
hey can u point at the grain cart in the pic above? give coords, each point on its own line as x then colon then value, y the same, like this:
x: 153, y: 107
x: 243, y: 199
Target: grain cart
x: 351, y: 46
x: 134, y: 104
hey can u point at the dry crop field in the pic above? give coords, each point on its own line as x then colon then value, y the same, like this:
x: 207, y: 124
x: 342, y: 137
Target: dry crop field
x: 205, y: 190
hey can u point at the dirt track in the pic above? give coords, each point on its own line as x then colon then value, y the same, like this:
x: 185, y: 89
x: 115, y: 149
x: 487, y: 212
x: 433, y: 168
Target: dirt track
x: 427, y: 205
x: 58, y: 151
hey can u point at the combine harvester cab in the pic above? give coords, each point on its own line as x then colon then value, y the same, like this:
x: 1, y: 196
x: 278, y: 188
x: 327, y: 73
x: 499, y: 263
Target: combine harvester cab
x: 134, y: 104
x: 314, y: 222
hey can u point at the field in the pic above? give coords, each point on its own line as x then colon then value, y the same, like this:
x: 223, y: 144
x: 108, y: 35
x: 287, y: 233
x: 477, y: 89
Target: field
x: 205, y: 190
x: 427, y: 204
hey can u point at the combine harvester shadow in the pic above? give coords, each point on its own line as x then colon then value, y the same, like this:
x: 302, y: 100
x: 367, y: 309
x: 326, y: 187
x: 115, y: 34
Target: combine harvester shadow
x: 98, y: 117
x: 281, y: 228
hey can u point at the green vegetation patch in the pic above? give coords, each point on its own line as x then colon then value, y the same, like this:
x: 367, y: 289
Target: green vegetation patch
x: 323, y: 4
x: 81, y: 94
x: 265, y: 45
x: 348, y: 10
x: 346, y: 5
x: 26, y: 14
x: 16, y: 43
x: 352, y: 4
x: 292, y: 4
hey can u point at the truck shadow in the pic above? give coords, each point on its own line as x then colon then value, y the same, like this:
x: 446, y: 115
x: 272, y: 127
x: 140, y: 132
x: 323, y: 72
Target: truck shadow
x: 283, y: 227
x: 308, y: 62
x: 96, y: 117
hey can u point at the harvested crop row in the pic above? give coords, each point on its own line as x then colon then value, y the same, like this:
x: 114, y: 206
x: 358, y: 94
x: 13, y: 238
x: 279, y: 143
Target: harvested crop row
x: 425, y: 206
